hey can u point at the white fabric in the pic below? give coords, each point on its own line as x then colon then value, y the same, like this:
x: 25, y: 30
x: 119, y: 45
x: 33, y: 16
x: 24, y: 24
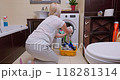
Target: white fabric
x: 42, y: 52
x: 46, y: 30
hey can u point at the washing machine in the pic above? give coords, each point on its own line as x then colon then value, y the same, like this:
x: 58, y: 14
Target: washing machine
x: 71, y: 19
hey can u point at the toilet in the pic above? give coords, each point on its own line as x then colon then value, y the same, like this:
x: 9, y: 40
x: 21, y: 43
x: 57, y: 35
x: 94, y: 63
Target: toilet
x: 103, y: 53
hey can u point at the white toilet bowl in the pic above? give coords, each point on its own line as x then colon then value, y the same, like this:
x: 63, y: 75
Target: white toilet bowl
x: 103, y: 53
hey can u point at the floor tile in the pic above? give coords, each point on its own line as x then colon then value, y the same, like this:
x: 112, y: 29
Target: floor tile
x: 78, y: 59
x: 64, y: 60
x: 25, y: 58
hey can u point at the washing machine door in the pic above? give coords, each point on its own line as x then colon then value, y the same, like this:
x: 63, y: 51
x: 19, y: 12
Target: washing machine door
x: 70, y: 23
x: 74, y: 36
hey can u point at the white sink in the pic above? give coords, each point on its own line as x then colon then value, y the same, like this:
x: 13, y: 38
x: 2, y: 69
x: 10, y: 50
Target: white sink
x: 41, y: 14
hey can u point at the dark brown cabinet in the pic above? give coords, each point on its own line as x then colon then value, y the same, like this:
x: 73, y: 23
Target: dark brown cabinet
x: 86, y: 35
x: 98, y: 29
x: 117, y: 10
x: 93, y: 6
x: 18, y: 39
x: 12, y: 46
x: 6, y: 47
x: 33, y: 24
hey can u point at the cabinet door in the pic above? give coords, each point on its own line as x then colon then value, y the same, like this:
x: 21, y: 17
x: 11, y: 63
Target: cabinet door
x: 5, y: 47
x: 117, y: 11
x: 33, y: 24
x: 87, y: 32
x: 101, y: 29
x: 93, y: 6
x: 18, y: 39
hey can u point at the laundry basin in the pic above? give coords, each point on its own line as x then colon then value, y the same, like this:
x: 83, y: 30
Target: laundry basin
x: 41, y: 14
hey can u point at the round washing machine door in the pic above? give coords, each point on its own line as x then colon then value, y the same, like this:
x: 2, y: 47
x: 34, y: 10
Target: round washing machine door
x: 74, y: 36
x: 70, y: 23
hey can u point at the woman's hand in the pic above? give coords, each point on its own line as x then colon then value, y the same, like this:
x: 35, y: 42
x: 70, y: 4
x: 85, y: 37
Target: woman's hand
x: 70, y: 30
x: 66, y: 29
x: 60, y: 35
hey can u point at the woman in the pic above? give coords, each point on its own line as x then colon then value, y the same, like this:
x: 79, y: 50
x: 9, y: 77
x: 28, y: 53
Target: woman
x: 38, y: 43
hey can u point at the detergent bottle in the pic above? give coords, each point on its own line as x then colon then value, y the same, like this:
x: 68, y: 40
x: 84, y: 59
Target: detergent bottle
x: 71, y: 45
x: 115, y: 32
x: 5, y: 21
x: 1, y: 23
x: 20, y: 61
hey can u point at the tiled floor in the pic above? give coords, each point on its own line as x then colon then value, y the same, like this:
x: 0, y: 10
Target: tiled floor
x: 78, y: 59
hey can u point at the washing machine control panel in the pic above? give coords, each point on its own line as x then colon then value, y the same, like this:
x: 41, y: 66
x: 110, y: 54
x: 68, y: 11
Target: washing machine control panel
x: 70, y: 16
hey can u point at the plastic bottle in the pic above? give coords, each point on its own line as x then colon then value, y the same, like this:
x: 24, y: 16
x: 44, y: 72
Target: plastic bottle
x: 20, y: 61
x: 71, y: 45
x: 46, y: 9
x: 115, y: 32
x: 1, y: 23
x: 5, y: 21
x: 42, y: 9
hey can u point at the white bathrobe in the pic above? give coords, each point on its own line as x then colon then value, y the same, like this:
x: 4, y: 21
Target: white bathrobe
x: 38, y: 43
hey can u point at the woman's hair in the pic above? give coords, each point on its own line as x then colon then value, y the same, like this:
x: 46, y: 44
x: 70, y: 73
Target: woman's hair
x: 55, y: 9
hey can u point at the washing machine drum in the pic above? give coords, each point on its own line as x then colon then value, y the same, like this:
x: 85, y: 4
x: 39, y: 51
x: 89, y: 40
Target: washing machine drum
x: 105, y: 51
x: 68, y: 24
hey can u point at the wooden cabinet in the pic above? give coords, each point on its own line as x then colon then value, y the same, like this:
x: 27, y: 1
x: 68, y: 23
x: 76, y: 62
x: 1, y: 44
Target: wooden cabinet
x: 93, y: 6
x: 98, y: 29
x: 12, y: 46
x: 6, y: 47
x: 86, y: 35
x: 117, y: 10
x: 18, y: 39
x: 33, y: 24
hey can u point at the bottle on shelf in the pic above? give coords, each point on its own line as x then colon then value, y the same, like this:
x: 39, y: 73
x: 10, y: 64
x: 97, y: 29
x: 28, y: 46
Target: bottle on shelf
x: 46, y: 8
x: 42, y: 9
x: 5, y: 21
x: 1, y: 23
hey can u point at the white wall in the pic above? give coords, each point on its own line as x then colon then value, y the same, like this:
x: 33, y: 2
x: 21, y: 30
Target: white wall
x: 81, y: 4
x: 19, y: 10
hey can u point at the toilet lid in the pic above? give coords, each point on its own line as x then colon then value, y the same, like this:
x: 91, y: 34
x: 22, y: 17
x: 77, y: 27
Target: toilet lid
x: 105, y: 50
